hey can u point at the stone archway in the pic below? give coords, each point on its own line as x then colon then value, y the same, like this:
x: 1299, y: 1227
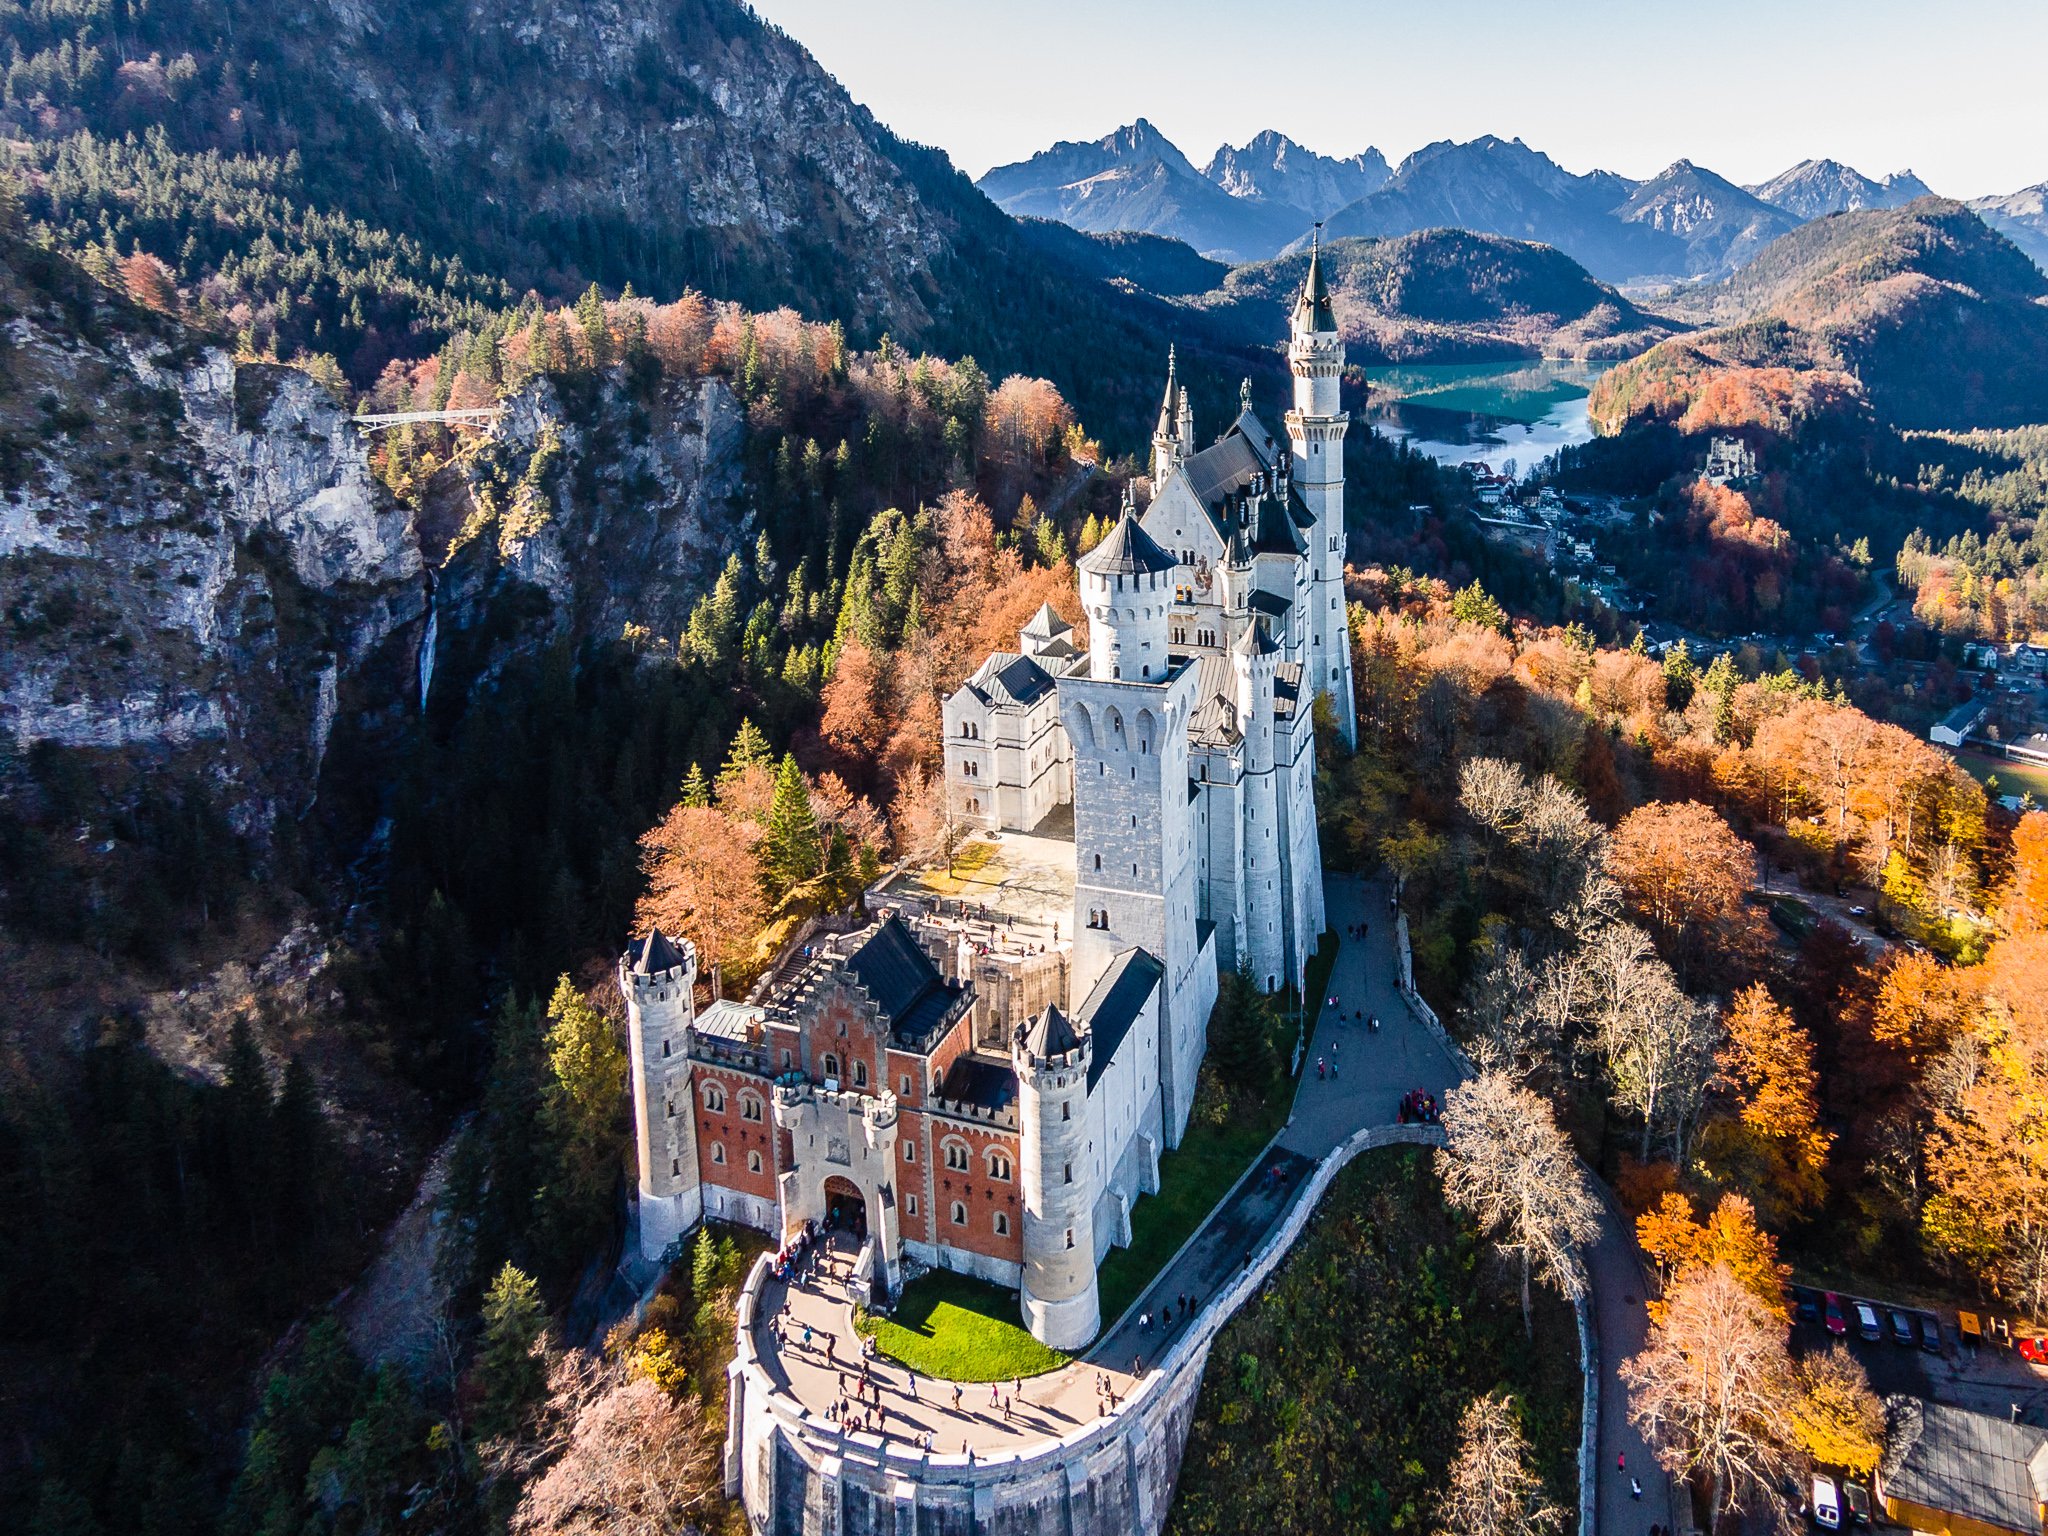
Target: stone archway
x: 846, y: 1208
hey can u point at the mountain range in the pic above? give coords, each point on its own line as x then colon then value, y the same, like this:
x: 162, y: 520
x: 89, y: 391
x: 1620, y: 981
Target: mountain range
x: 1248, y: 203
x: 1684, y: 224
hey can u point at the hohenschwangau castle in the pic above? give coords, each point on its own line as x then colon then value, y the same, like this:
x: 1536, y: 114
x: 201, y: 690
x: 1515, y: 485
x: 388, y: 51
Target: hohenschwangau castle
x: 990, y: 1090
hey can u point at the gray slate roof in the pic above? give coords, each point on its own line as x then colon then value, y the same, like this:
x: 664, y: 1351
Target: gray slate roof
x: 1045, y: 624
x: 978, y: 1081
x: 1128, y: 551
x: 1050, y: 1033
x: 1007, y: 678
x: 901, y: 978
x: 655, y: 954
x: 1115, y: 1003
x: 1961, y: 1463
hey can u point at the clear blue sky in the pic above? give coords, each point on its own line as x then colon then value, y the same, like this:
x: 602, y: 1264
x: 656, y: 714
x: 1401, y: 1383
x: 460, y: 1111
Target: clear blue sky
x: 1953, y: 89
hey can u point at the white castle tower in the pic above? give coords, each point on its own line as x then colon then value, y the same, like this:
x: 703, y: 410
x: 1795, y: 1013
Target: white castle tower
x: 1057, y: 1288
x: 657, y: 976
x: 1315, y: 428
x: 1127, y: 721
x: 1254, y: 662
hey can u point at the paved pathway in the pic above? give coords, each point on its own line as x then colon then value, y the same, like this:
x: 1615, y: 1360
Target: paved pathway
x: 1374, y: 1068
x: 1623, y: 1324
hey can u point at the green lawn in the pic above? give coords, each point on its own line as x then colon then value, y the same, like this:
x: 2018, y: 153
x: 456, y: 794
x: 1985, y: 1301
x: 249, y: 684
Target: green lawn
x: 1197, y: 1174
x: 957, y: 1328
x: 2013, y: 776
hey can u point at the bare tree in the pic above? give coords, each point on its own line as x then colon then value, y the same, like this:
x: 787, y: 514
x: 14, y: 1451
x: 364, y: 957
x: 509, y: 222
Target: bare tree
x: 1491, y: 1491
x: 630, y: 1460
x: 1713, y: 1391
x: 1493, y: 792
x: 1509, y: 1165
x: 1659, y: 1045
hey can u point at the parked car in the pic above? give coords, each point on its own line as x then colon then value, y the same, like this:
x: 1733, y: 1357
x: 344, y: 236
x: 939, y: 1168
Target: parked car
x: 1827, y: 1506
x: 1930, y: 1333
x: 2033, y: 1350
x: 1902, y: 1328
x: 1805, y: 1304
x: 1859, y: 911
x: 1867, y: 1326
x: 1857, y: 1497
x: 1831, y: 1314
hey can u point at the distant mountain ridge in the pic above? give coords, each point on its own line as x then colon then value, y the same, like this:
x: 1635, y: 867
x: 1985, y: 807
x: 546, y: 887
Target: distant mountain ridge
x: 1684, y: 224
x: 1813, y: 189
x: 1247, y: 204
x: 1273, y: 167
x: 1442, y: 295
x: 2022, y: 217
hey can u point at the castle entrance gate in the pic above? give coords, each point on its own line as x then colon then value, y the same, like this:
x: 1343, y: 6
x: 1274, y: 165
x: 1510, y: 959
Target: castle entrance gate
x: 846, y: 1208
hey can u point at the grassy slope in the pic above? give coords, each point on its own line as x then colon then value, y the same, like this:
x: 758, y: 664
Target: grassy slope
x: 1331, y: 1403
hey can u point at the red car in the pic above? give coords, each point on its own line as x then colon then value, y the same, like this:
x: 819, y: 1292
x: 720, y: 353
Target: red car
x: 1833, y: 1316
x: 2033, y: 1351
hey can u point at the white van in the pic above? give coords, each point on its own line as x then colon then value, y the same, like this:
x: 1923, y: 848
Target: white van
x: 1827, y: 1508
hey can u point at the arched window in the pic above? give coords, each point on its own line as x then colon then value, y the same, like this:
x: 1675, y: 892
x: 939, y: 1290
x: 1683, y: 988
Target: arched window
x: 714, y: 1098
x: 998, y: 1164
x: 1002, y: 1224
x: 1068, y: 1170
x: 860, y: 1074
x: 831, y: 1066
x: 956, y: 1156
x: 959, y: 1214
x: 1098, y: 861
x: 750, y: 1107
x: 718, y: 1153
x: 1067, y: 1111
x: 753, y: 1162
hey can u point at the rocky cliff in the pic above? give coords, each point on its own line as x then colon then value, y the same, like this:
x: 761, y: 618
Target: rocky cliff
x: 194, y: 556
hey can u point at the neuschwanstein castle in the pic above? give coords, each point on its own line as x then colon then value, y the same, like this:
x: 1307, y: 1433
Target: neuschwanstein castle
x: 962, y: 1099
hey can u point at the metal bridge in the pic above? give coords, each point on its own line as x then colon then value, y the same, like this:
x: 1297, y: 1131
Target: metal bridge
x: 476, y: 417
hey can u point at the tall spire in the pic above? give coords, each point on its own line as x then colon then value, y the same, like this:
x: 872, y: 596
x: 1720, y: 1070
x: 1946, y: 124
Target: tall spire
x: 1312, y: 310
x: 1166, y: 406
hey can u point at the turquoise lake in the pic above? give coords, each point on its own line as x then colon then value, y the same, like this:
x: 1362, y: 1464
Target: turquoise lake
x: 1487, y: 413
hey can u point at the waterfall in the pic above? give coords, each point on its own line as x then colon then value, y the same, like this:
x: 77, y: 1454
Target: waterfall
x: 427, y: 643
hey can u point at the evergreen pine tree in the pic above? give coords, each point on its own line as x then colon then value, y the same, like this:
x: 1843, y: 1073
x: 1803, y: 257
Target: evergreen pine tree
x: 696, y: 788
x: 790, y: 852
x: 597, y: 336
x: 511, y: 1361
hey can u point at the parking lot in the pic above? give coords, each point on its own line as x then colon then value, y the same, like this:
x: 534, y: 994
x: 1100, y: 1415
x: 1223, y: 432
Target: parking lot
x: 1986, y: 1378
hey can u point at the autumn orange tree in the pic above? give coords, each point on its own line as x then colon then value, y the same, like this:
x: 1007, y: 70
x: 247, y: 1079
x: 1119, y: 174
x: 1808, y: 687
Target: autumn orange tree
x: 1687, y: 871
x: 1680, y: 1243
x: 2023, y: 900
x: 1987, y: 1154
x: 1773, y: 1145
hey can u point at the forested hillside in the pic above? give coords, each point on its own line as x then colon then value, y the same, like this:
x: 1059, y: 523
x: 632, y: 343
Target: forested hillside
x: 334, y: 181
x: 1443, y: 295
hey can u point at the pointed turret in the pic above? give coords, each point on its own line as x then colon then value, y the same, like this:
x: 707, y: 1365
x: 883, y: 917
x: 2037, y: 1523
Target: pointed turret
x: 1312, y: 312
x: 1169, y: 444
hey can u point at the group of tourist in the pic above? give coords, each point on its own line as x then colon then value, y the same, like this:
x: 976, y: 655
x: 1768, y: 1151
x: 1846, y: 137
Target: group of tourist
x: 1188, y: 1306
x: 1418, y: 1107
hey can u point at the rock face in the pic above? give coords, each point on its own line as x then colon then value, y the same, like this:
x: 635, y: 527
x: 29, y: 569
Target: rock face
x: 620, y: 511
x: 2022, y: 217
x: 194, y: 557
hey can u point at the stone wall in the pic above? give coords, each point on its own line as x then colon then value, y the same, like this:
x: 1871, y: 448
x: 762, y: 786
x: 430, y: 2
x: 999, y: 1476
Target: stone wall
x: 799, y: 1476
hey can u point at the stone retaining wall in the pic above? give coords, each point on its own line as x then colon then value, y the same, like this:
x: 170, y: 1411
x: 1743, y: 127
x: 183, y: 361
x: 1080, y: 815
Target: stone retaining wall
x: 798, y: 1475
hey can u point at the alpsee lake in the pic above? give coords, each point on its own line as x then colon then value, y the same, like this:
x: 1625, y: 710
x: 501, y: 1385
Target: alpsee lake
x: 1485, y: 413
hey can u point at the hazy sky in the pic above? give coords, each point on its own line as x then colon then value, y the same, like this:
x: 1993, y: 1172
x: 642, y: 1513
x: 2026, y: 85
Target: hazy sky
x: 1957, y: 90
